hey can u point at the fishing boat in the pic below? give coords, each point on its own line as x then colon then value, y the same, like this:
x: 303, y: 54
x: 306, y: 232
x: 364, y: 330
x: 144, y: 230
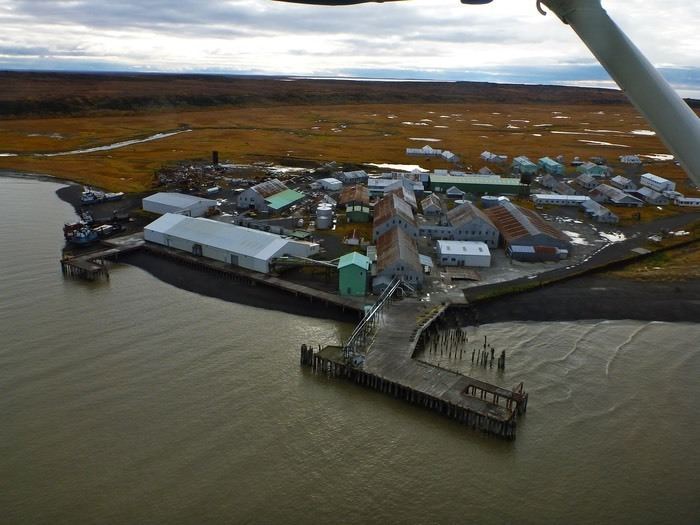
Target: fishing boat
x: 79, y: 233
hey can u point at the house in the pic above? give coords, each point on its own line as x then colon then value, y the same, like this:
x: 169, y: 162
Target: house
x: 548, y: 199
x: 653, y: 197
x: 380, y: 186
x: 331, y: 184
x: 454, y: 193
x: 551, y: 166
x: 523, y: 166
x: 465, y: 222
x: 393, y: 212
x: 523, y: 228
x: 431, y: 205
x: 487, y: 156
x: 463, y: 253
x: 596, y: 170
x: 449, y: 156
x: 657, y: 183
x: 236, y: 245
x: 599, y: 213
x: 425, y: 151
x: 357, y: 194
x: 631, y: 160
x: 397, y: 257
x: 586, y: 181
x: 604, y: 193
x: 623, y: 183
x: 191, y: 205
x: 686, y: 201
x: 353, y: 274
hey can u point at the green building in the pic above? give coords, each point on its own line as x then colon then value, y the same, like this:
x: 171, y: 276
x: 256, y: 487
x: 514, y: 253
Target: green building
x: 490, y: 184
x: 551, y: 166
x: 357, y: 213
x: 283, y: 200
x: 353, y: 270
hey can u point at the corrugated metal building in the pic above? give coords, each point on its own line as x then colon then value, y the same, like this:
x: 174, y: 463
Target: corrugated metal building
x: 657, y: 183
x: 594, y: 169
x: 235, y: 245
x: 521, y: 227
x: 465, y: 222
x: 393, y: 212
x: 162, y: 203
x: 431, y: 205
x: 356, y: 194
x: 397, y: 256
x: 353, y: 273
x: 330, y: 184
x: 463, y: 253
x: 353, y: 177
x: 551, y: 166
x: 623, y: 183
x: 478, y: 184
x: 599, y: 213
x: 653, y: 197
x: 254, y: 198
x: 523, y: 165
x: 548, y: 199
x: 605, y: 193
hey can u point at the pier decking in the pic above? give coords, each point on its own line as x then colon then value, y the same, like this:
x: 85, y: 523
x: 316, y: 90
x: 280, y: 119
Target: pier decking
x: 93, y: 265
x: 389, y: 366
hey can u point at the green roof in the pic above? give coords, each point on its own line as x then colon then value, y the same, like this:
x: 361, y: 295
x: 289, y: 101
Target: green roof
x: 354, y: 258
x: 550, y: 162
x: 283, y: 199
x: 474, y: 179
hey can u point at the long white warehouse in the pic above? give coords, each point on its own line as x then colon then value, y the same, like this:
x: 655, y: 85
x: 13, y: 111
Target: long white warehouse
x: 235, y: 245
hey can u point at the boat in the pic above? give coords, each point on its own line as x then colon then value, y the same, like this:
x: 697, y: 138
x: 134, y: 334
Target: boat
x: 79, y: 233
x: 109, y: 197
x: 107, y: 230
x: 91, y: 196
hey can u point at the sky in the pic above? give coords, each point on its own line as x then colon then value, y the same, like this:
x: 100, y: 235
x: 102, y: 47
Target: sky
x: 506, y: 41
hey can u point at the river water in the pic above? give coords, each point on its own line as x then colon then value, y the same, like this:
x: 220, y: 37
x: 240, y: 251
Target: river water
x: 133, y: 401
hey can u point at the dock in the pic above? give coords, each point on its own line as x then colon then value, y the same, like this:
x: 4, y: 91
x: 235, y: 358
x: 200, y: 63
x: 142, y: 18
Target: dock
x: 389, y: 367
x: 93, y: 265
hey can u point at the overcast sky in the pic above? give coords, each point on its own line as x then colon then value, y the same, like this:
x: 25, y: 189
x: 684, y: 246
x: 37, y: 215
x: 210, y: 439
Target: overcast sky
x: 506, y: 41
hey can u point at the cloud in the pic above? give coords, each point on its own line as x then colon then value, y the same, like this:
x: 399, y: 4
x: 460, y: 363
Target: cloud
x: 506, y: 39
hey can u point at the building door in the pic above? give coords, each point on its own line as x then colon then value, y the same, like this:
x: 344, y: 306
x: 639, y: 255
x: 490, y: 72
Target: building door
x: 197, y: 250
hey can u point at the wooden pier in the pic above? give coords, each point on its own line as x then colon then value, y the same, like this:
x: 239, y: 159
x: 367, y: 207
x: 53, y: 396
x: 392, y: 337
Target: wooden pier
x: 94, y: 265
x: 389, y: 367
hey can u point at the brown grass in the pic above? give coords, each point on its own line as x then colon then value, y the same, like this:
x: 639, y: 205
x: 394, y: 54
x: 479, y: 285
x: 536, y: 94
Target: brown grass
x: 304, y: 132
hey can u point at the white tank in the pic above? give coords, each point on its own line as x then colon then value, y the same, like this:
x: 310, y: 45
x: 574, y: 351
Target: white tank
x: 324, y: 216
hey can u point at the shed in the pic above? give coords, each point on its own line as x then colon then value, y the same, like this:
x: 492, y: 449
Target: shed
x: 283, y: 200
x: 331, y: 184
x: 353, y: 272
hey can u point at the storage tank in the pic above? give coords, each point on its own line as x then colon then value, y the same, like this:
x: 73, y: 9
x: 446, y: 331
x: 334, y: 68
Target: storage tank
x: 324, y: 216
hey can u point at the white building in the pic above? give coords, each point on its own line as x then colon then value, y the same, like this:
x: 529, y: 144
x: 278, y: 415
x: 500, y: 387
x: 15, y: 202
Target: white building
x: 599, y: 212
x: 544, y: 199
x: 657, y: 183
x: 235, y: 245
x: 191, y: 205
x: 425, y: 151
x: 653, y: 197
x: 463, y: 253
x: 331, y: 184
x: 686, y: 201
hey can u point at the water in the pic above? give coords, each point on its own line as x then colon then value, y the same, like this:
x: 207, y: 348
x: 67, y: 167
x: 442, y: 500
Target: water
x: 135, y: 402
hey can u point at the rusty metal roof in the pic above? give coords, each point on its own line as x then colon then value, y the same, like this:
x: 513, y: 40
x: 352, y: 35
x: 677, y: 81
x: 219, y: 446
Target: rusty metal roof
x: 396, y: 245
x: 515, y: 223
x: 354, y: 194
x: 392, y: 206
x: 466, y: 213
x: 270, y: 187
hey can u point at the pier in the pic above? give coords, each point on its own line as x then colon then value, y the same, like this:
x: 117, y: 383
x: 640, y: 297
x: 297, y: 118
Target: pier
x: 388, y: 365
x: 94, y: 265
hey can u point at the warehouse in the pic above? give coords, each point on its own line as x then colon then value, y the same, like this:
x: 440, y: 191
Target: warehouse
x: 397, y: 257
x: 353, y: 273
x: 162, y: 203
x: 653, y: 197
x: 545, y: 199
x: 521, y: 227
x: 463, y: 253
x: 657, y: 183
x: 236, y: 245
x: 478, y: 184
x: 353, y: 177
x: 465, y: 222
x: 393, y: 212
x: 357, y: 194
x: 269, y: 195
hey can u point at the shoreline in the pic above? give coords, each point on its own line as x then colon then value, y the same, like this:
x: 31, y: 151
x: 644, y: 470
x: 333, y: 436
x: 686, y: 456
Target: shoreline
x: 589, y: 297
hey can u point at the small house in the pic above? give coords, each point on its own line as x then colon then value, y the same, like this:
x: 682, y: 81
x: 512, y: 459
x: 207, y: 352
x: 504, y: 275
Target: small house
x: 353, y: 274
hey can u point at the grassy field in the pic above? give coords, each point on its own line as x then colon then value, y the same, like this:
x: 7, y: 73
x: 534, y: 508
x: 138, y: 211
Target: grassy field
x: 354, y: 133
